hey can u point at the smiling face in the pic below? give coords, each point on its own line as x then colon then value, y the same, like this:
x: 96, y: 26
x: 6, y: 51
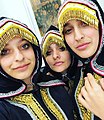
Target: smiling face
x: 18, y: 59
x: 82, y: 38
x: 58, y: 58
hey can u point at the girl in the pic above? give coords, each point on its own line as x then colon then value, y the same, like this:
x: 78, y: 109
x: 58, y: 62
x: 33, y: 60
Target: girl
x: 58, y: 61
x: 81, y: 26
x: 21, y: 97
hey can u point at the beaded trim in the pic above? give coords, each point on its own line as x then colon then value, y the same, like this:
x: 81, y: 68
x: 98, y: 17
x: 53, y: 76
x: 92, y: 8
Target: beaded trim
x: 10, y: 29
x: 51, y: 83
x: 23, y: 107
x: 32, y: 104
x: 81, y: 12
x: 13, y: 93
x: 53, y: 107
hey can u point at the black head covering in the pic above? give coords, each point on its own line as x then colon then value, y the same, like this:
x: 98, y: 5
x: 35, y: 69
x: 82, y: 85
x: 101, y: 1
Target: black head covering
x: 9, y: 28
x: 57, y: 75
x: 97, y: 60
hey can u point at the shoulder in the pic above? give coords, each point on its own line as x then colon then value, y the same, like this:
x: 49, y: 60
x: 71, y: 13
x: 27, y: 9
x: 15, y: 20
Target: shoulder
x: 4, y: 104
x: 4, y: 109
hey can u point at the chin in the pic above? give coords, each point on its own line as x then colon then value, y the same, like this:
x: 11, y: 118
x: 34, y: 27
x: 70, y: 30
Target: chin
x: 60, y: 71
x: 86, y: 56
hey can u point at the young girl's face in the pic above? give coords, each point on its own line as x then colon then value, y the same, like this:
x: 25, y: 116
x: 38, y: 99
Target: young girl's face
x: 58, y: 58
x: 17, y: 59
x: 82, y: 38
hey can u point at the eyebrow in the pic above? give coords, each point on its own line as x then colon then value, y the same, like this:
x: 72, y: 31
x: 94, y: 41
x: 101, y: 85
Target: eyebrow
x: 66, y: 24
x: 6, y: 45
x: 18, y: 42
x: 22, y: 40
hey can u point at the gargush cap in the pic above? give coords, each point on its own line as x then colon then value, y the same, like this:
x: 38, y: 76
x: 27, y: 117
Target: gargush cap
x: 75, y: 10
x: 10, y: 28
x: 51, y: 36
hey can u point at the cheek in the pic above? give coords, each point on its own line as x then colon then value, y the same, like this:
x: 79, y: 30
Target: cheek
x: 30, y: 55
x: 92, y: 32
x: 94, y: 35
x: 49, y: 60
x: 69, y: 40
x: 5, y: 63
x: 68, y: 59
x: 34, y: 60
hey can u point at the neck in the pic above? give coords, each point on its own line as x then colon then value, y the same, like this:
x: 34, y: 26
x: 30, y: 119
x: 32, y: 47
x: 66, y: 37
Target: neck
x: 64, y: 73
x: 30, y: 87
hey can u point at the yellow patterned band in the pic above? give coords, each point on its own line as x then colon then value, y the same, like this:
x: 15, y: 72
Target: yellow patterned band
x: 71, y: 11
x: 11, y: 29
x: 49, y: 38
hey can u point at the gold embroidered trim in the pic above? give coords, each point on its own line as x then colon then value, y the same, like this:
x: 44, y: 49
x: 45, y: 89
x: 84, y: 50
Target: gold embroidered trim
x: 10, y: 30
x: 86, y: 114
x: 49, y: 39
x: 51, y: 105
x: 81, y: 12
x: 32, y: 104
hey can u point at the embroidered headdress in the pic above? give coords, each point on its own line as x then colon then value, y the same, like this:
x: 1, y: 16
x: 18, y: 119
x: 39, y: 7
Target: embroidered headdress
x: 52, y: 36
x: 74, y: 10
x: 10, y: 28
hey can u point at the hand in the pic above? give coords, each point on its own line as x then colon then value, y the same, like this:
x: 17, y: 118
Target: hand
x: 92, y: 96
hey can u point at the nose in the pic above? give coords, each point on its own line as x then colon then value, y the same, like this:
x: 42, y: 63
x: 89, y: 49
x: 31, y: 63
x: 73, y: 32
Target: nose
x: 18, y: 55
x: 78, y: 34
x: 56, y: 54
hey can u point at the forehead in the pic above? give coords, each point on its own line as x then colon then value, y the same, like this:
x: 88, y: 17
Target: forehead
x: 53, y: 45
x: 15, y: 40
x: 73, y: 22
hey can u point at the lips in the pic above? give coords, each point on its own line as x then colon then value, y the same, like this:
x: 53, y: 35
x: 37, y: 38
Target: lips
x: 83, y: 46
x: 21, y: 67
x: 58, y: 63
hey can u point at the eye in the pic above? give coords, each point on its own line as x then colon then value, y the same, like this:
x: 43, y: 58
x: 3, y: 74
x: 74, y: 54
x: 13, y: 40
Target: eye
x: 4, y: 52
x: 62, y: 48
x: 26, y: 46
x: 84, y: 24
x: 67, y: 31
x: 48, y: 53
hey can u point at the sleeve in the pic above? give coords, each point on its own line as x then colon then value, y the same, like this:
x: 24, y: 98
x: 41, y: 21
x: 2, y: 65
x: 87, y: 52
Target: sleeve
x: 4, y: 115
